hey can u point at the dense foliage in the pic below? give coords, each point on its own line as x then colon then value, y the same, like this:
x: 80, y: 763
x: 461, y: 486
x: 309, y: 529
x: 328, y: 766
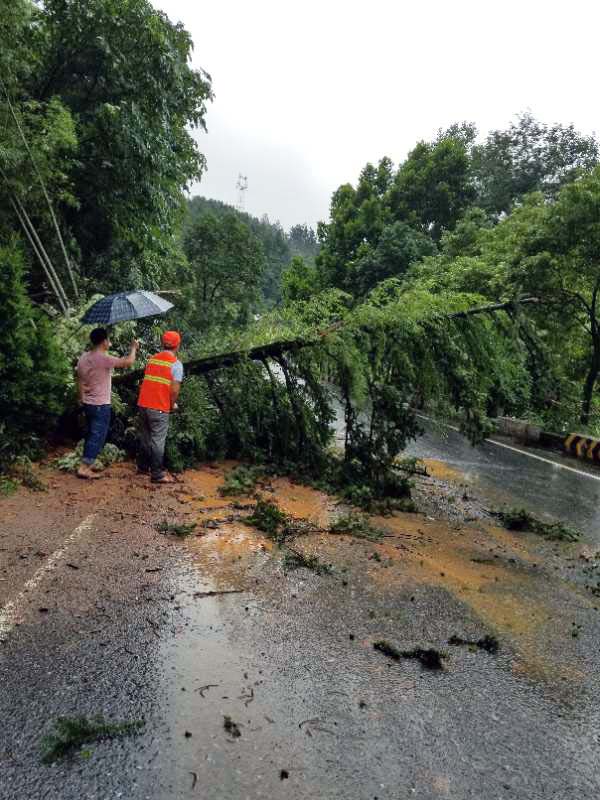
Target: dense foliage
x: 33, y: 370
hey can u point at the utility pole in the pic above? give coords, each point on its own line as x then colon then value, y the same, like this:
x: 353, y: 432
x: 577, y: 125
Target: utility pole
x: 242, y: 187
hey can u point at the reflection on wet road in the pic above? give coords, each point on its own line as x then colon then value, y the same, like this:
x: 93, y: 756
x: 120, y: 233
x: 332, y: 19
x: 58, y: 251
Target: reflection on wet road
x: 515, y: 479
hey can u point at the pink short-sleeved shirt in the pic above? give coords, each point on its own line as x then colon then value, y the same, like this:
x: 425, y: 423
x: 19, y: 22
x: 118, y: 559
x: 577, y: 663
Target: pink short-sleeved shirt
x: 94, y: 370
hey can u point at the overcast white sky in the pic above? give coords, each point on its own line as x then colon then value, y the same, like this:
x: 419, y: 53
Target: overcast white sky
x: 307, y: 92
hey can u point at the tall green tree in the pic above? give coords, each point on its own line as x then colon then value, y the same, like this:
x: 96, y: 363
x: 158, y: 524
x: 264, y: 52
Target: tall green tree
x: 226, y: 265
x: 122, y: 69
x: 529, y: 156
x: 37, y: 150
x: 300, y: 281
x: 424, y: 197
x: 303, y: 241
x: 399, y: 246
x: 433, y: 187
x: 561, y: 263
x: 357, y: 219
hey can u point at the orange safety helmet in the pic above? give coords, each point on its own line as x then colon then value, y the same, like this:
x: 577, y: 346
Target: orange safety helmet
x: 171, y: 339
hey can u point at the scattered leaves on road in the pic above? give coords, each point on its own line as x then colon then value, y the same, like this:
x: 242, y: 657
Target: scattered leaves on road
x: 518, y: 519
x: 174, y: 529
x: 429, y: 659
x: 70, y: 733
x: 231, y: 727
x: 488, y: 643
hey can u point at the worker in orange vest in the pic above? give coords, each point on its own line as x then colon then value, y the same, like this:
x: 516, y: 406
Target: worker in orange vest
x: 157, y: 400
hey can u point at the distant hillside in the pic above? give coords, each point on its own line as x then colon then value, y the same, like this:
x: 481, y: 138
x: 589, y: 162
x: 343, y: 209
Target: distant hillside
x: 280, y: 247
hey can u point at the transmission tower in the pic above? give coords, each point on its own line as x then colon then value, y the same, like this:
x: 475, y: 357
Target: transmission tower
x: 242, y: 187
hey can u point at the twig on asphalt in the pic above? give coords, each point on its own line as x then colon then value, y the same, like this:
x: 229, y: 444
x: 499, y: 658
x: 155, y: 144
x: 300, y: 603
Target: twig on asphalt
x: 202, y: 689
x: 247, y: 698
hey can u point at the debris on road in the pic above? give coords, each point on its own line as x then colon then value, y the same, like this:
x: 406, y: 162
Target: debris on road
x: 294, y: 559
x: 70, y: 733
x: 247, y: 696
x: 314, y: 724
x: 488, y: 643
x: 231, y: 727
x: 357, y: 525
x: 69, y: 462
x: 202, y: 689
x: 429, y: 659
x: 21, y: 472
x: 241, y: 480
x: 268, y: 518
x: 174, y: 529
x: 518, y: 519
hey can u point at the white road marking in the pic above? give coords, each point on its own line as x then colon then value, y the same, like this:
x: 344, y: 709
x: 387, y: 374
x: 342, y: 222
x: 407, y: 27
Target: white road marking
x: 522, y: 452
x: 9, y: 614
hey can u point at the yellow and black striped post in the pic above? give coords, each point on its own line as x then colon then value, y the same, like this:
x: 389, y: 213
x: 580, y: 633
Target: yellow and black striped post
x: 583, y: 446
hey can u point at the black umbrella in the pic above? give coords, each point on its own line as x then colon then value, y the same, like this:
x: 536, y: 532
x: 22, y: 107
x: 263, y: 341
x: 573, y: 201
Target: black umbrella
x: 124, y: 306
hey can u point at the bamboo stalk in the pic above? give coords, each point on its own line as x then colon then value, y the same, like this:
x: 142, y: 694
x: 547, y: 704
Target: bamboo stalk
x: 40, y: 259
x: 42, y: 249
x: 43, y: 185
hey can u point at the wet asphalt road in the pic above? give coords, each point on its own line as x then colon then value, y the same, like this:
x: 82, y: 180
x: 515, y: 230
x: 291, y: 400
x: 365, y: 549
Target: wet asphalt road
x: 516, y: 479
x: 127, y: 633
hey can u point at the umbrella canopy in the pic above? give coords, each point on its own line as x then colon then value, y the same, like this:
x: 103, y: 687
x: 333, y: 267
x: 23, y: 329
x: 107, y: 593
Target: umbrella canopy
x: 125, y: 306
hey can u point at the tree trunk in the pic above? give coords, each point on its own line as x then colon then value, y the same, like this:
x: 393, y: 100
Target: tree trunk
x: 590, y: 383
x: 275, y: 350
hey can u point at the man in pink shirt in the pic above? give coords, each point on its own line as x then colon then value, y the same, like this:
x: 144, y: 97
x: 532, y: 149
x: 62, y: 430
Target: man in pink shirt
x: 94, y: 380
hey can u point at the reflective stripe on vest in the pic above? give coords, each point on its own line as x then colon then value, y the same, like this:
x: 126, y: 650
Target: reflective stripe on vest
x: 156, y: 379
x: 160, y: 363
x: 155, y: 391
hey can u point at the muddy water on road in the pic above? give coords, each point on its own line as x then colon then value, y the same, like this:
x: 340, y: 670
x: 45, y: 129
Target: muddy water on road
x: 290, y: 660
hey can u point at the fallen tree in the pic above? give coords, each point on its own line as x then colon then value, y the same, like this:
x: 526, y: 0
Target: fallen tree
x: 276, y: 349
x: 274, y: 401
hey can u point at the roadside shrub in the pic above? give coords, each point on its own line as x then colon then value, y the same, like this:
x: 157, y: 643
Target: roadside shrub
x: 110, y: 454
x: 33, y: 369
x: 8, y: 486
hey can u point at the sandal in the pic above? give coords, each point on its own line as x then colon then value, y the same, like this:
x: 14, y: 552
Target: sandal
x: 164, y: 479
x: 87, y: 475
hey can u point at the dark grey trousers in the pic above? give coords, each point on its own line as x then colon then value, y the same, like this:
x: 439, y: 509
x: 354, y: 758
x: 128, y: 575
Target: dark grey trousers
x: 154, y: 426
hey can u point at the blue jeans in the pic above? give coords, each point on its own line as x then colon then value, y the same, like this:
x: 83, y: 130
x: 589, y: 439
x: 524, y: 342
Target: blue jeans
x: 98, y: 423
